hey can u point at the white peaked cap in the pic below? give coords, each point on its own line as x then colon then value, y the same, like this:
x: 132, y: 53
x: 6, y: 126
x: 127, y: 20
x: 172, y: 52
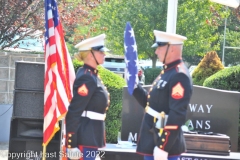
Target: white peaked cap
x: 170, y: 38
x: 90, y: 43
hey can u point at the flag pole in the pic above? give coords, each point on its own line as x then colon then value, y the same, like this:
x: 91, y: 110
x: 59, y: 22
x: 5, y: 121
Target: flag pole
x: 44, y: 152
x: 62, y: 144
x: 61, y: 135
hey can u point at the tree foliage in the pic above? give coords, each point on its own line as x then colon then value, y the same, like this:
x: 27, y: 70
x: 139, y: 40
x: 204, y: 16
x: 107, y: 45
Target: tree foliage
x: 209, y: 65
x: 74, y: 14
x: 19, y: 19
x: 144, y: 16
x: 231, y: 55
x: 201, y: 21
x: 198, y: 20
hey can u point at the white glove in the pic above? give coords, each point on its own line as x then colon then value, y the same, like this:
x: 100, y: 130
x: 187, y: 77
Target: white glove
x: 135, y: 85
x: 74, y: 153
x: 159, y: 154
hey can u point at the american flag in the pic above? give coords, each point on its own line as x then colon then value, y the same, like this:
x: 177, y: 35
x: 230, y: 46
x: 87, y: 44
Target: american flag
x: 131, y: 58
x: 59, y: 73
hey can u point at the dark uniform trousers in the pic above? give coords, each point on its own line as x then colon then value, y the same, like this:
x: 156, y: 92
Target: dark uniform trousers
x: 170, y: 93
x: 85, y: 124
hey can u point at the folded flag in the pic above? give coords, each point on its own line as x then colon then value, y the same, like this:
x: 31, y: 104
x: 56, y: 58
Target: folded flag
x: 131, y: 58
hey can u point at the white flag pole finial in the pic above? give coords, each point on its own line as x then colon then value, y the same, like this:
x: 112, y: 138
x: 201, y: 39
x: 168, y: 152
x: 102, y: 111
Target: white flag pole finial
x: 172, y: 16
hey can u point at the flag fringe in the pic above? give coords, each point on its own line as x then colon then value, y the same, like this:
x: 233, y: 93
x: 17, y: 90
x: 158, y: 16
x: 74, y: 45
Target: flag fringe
x: 55, y: 129
x: 50, y: 138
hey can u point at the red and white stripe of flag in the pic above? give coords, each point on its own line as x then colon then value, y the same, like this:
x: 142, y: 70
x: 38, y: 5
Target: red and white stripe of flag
x: 59, y: 78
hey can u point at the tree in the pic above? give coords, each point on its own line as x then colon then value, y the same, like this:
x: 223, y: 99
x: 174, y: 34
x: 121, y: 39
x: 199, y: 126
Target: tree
x: 143, y: 16
x: 199, y: 21
x: 231, y: 56
x: 195, y: 19
x: 216, y: 22
x: 19, y: 19
x: 77, y: 14
x: 209, y: 65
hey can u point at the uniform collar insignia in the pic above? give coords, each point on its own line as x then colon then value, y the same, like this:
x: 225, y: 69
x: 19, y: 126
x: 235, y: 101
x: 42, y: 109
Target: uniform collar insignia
x: 93, y: 70
x: 172, y: 64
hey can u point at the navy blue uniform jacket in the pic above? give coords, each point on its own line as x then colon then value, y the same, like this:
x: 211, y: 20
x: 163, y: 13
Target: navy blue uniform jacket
x: 170, y: 92
x: 89, y: 94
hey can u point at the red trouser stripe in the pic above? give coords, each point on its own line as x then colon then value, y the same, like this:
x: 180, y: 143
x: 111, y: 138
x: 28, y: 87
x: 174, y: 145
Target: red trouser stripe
x: 81, y: 149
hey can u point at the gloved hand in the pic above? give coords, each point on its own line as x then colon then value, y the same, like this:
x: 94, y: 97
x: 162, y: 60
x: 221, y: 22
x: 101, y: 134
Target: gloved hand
x: 135, y: 85
x: 74, y: 153
x: 159, y: 154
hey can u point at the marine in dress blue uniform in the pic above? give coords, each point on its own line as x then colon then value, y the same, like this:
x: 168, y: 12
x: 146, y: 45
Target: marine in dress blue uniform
x: 85, y: 126
x: 165, y: 103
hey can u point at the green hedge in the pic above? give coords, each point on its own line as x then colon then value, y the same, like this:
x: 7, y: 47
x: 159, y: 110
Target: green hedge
x: 114, y: 84
x: 151, y: 74
x: 76, y: 64
x: 226, y: 79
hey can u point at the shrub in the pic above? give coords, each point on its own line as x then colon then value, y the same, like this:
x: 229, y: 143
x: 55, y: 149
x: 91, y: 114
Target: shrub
x: 76, y: 64
x: 151, y: 74
x: 114, y: 84
x: 209, y: 65
x: 226, y: 79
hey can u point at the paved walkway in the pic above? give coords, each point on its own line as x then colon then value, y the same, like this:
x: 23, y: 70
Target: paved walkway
x: 3, y: 151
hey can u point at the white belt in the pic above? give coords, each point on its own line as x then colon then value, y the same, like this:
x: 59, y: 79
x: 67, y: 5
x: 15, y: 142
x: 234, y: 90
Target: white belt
x: 94, y: 115
x: 162, y: 117
x: 152, y: 112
